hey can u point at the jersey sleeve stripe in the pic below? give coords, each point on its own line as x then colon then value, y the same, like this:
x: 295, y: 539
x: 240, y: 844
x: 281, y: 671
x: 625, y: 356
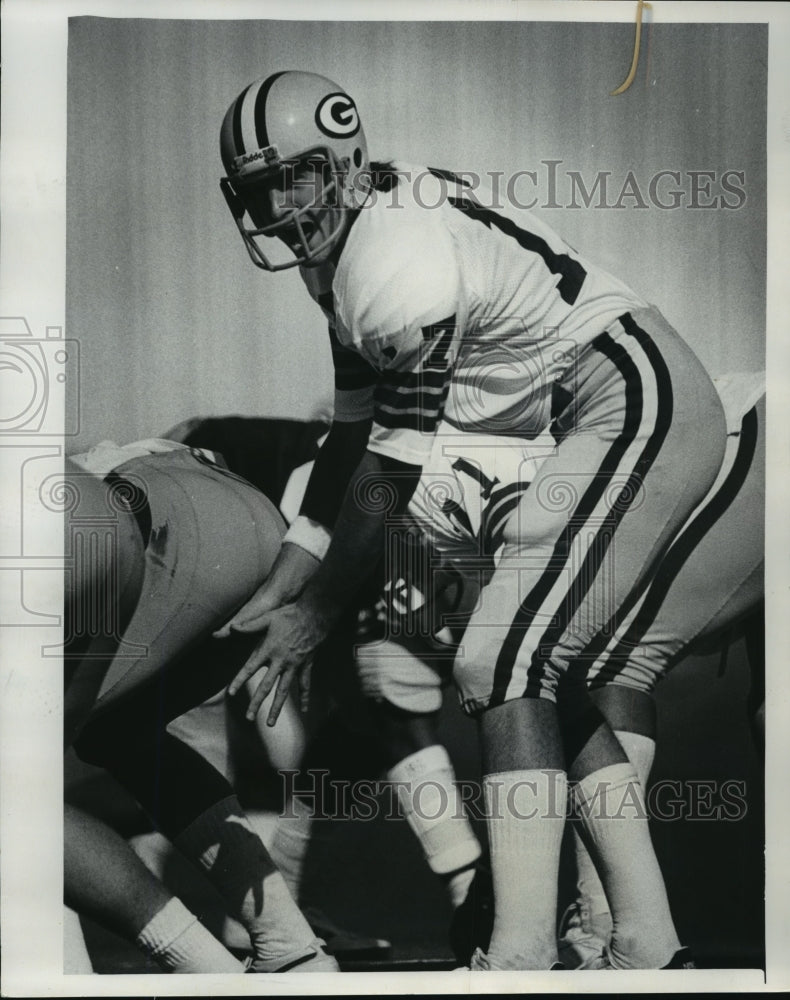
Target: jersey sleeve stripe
x: 417, y: 398
x: 421, y: 422
x: 429, y: 378
x: 393, y: 411
x: 411, y: 400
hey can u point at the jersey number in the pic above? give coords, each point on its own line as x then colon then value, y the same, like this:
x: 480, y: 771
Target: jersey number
x: 571, y: 271
x: 453, y: 509
x: 442, y: 334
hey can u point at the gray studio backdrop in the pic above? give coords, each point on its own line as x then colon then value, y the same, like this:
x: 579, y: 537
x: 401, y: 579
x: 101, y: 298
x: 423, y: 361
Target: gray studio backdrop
x: 174, y: 321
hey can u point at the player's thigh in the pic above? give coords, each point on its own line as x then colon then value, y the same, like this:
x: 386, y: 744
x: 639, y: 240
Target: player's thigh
x: 533, y: 576
x: 582, y: 539
x: 639, y: 445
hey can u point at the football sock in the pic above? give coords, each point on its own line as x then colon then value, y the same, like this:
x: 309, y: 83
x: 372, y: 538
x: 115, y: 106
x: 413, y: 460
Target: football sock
x: 611, y: 807
x: 525, y: 815
x: 291, y: 841
x: 457, y: 884
x: 223, y: 843
x: 589, y: 890
x: 640, y: 750
x: 429, y: 799
x: 178, y: 942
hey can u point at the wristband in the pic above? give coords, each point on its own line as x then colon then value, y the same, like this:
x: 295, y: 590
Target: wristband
x: 309, y: 535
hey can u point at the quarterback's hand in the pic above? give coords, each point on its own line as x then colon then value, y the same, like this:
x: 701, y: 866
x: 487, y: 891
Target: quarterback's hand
x: 292, y: 569
x: 291, y: 636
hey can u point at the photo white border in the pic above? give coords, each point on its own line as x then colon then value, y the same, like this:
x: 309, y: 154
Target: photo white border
x: 32, y: 284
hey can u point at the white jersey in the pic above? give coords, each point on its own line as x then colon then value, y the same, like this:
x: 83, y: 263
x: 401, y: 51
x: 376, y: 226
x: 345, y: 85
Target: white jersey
x: 443, y: 307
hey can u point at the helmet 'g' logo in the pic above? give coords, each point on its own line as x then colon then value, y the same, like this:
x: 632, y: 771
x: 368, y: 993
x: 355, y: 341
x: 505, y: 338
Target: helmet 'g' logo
x: 337, y: 116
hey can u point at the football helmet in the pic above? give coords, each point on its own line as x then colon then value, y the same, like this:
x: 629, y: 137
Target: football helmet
x: 291, y: 129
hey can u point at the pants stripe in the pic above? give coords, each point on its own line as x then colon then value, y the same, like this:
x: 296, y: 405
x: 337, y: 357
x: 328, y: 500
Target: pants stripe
x: 618, y: 354
x: 605, y: 534
x: 677, y: 556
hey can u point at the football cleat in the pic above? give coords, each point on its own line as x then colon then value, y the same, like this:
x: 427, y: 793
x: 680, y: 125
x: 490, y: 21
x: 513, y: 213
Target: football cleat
x: 313, y: 959
x: 473, y: 920
x: 345, y: 945
x: 480, y: 963
x: 582, y: 939
x: 682, y: 959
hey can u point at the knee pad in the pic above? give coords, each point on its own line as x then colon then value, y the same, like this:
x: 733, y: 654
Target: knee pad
x: 390, y: 672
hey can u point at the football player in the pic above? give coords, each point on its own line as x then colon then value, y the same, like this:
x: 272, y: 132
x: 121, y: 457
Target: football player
x: 190, y: 575
x: 468, y: 488
x: 442, y: 306
x: 710, y: 581
x: 103, y: 878
x: 388, y: 712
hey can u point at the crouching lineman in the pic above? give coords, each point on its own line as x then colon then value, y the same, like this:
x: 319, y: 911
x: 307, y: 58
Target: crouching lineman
x: 191, y: 574
x: 103, y: 878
